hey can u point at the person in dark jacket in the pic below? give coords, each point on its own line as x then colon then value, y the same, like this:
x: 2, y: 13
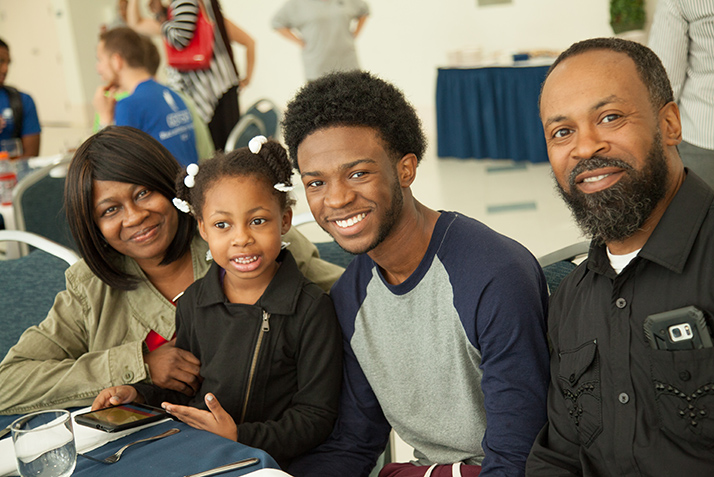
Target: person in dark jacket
x: 267, y: 338
x: 631, y: 365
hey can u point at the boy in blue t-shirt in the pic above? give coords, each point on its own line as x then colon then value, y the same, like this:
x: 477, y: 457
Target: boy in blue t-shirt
x: 150, y: 106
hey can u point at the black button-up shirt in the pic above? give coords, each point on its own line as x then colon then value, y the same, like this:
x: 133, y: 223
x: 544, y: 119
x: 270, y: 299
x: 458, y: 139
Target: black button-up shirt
x: 617, y: 407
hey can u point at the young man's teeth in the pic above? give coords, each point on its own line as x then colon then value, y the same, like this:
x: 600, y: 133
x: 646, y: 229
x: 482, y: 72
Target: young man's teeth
x: 351, y: 221
x: 245, y: 260
x: 595, y: 178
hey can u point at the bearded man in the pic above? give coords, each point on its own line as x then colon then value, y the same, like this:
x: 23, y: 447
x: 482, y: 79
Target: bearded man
x: 632, y: 386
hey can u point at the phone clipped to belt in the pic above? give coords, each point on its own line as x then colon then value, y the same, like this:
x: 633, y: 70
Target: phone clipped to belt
x: 121, y: 417
x: 680, y: 329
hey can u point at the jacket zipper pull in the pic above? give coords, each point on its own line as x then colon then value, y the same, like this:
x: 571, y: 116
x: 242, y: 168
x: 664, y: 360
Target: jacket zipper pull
x: 266, y: 323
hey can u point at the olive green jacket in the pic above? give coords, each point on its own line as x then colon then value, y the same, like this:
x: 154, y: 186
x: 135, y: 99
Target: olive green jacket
x: 93, y: 337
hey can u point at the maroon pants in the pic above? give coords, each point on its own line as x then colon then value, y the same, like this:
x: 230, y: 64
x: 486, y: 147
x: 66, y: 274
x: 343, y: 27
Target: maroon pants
x: 410, y: 470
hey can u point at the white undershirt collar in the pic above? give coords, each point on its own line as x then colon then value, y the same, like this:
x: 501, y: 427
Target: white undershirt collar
x: 619, y: 262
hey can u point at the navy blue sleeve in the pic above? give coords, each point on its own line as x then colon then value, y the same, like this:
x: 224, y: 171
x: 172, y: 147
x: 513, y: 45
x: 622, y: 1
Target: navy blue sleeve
x: 511, y: 335
x: 501, y: 296
x: 360, y: 434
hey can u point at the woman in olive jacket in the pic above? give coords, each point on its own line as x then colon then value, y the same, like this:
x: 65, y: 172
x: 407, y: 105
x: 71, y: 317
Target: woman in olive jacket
x: 115, y: 322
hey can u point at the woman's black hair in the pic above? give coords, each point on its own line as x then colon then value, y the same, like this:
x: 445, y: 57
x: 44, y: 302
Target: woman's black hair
x: 120, y: 154
x: 270, y: 165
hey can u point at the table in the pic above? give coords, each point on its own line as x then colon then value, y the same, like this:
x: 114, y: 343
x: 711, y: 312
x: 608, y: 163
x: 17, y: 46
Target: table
x: 190, y: 451
x: 490, y: 112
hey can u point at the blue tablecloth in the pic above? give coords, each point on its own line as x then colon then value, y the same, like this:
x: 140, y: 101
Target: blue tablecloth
x: 188, y: 452
x: 490, y: 113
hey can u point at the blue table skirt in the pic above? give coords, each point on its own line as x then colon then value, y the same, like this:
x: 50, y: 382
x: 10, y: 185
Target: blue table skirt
x: 490, y: 113
x: 188, y: 452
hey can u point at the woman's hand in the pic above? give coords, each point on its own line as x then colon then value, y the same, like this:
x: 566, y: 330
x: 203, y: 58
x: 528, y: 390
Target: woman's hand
x: 174, y: 368
x: 215, y: 420
x: 116, y: 395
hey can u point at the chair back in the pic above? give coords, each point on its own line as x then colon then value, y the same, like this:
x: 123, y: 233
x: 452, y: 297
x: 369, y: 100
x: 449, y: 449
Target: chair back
x: 38, y: 203
x: 268, y: 112
x: 246, y: 129
x: 557, y: 265
x: 29, y: 284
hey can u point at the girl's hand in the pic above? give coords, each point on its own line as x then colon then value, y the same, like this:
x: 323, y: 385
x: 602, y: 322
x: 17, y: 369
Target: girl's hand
x: 114, y: 396
x: 215, y: 420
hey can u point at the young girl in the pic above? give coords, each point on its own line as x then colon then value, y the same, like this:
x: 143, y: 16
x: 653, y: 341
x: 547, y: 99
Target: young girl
x: 267, y: 338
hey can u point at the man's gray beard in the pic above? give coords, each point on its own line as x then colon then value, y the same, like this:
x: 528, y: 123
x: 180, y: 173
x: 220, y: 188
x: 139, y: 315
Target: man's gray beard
x: 616, y: 213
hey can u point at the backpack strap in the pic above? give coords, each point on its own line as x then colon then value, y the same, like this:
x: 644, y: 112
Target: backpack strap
x: 17, y: 112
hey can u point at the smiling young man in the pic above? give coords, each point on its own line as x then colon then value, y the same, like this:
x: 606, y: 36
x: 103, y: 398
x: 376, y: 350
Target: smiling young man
x: 443, y: 318
x: 616, y: 404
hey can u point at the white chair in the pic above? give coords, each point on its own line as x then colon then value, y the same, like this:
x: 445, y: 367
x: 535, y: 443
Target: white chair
x: 41, y: 243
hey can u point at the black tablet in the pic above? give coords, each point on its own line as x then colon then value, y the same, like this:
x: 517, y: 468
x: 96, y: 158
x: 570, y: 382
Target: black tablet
x: 123, y: 416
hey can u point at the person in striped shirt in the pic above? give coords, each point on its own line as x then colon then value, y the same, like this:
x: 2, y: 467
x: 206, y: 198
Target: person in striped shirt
x: 682, y: 35
x: 214, y: 90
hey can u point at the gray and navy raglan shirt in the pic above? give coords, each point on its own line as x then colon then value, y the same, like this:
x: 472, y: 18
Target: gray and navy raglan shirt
x: 455, y: 358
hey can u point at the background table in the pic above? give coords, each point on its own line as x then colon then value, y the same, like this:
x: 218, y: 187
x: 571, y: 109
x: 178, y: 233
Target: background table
x: 490, y: 112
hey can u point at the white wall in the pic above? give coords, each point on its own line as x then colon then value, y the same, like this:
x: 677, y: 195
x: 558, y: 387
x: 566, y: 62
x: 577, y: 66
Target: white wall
x: 52, y: 47
x: 404, y: 41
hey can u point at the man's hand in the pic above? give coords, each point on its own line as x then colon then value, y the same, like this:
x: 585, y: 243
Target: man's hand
x: 174, y: 368
x: 104, y: 103
x: 215, y: 420
x: 114, y: 396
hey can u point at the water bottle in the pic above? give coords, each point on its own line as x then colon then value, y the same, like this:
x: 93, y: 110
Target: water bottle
x: 8, y: 178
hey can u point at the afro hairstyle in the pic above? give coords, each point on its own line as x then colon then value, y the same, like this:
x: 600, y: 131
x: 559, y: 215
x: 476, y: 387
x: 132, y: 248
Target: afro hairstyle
x: 354, y: 99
